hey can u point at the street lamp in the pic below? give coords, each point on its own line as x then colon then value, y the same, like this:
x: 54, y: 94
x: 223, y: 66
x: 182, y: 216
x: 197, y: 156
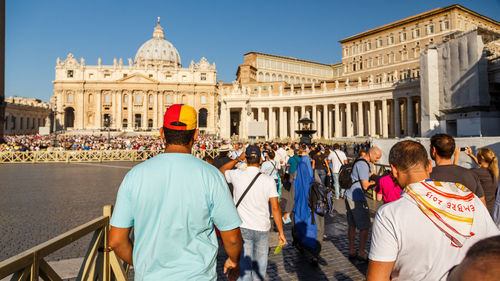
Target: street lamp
x: 54, y: 114
x: 107, y: 124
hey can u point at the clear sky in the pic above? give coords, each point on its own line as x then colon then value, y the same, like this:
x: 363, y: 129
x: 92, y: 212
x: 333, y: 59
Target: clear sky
x: 37, y: 32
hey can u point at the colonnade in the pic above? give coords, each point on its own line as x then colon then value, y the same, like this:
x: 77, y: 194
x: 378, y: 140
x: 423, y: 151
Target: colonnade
x: 385, y: 118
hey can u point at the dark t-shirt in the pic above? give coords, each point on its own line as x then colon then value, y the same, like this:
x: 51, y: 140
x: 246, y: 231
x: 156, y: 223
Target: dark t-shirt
x: 457, y: 174
x: 319, y: 162
x: 489, y: 187
x: 220, y: 161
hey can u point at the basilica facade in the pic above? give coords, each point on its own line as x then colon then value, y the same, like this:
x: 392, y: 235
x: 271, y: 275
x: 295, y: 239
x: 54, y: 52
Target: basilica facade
x: 135, y: 96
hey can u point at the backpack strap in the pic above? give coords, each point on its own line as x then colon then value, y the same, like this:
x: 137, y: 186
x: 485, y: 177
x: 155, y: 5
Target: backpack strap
x: 359, y: 160
x: 338, y: 157
x: 248, y: 188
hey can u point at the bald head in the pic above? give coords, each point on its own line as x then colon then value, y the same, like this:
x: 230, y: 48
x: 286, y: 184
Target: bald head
x: 374, y: 154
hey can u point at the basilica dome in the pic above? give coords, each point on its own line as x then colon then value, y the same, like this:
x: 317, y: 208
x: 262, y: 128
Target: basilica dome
x: 157, y: 52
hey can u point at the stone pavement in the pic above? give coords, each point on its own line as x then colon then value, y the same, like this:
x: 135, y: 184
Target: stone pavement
x: 41, y: 201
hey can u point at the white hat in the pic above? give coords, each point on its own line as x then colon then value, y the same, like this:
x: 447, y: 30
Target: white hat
x: 225, y: 147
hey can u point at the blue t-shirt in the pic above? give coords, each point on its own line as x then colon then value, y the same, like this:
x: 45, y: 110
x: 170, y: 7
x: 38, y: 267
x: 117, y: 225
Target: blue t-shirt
x: 293, y: 162
x: 360, y: 171
x: 173, y: 201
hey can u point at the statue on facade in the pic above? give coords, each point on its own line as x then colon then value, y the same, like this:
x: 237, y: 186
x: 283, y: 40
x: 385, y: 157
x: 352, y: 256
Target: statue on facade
x: 191, y: 65
x: 120, y: 62
x: 115, y: 63
x: 370, y: 79
x: 360, y: 82
x: 292, y: 89
x: 324, y: 86
x: 260, y: 90
x: 384, y: 78
x: 313, y: 87
x: 130, y: 63
x: 99, y: 61
x: 302, y: 87
x: 58, y: 61
x: 336, y: 84
x: 347, y: 82
x: 82, y: 61
x: 281, y: 89
x: 236, y: 86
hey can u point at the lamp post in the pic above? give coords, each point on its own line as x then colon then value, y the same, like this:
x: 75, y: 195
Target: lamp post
x: 107, y: 124
x: 54, y: 120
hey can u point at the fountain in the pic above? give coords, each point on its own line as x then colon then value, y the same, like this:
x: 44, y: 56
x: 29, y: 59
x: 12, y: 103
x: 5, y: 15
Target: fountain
x: 305, y: 125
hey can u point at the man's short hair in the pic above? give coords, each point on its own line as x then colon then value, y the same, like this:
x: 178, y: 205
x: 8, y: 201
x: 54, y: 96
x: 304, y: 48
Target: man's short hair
x: 254, y: 159
x: 444, y: 145
x: 178, y: 137
x: 408, y: 154
x: 336, y: 146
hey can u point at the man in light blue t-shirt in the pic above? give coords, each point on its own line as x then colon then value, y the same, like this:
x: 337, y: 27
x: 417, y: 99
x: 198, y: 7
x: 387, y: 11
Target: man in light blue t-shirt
x: 358, y: 216
x: 173, y: 202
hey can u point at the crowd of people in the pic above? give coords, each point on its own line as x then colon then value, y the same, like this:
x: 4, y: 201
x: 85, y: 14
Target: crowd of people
x: 100, y: 142
x: 436, y: 223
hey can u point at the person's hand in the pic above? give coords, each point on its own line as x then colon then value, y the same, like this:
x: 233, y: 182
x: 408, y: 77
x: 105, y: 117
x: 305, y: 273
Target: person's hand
x: 231, y: 270
x: 282, y: 239
x: 468, y: 150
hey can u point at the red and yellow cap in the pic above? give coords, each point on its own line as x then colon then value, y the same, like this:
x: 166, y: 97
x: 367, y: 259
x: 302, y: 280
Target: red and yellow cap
x: 180, y: 117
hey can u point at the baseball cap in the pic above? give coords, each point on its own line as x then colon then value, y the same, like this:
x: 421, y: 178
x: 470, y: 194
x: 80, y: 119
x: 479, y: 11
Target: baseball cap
x: 252, y: 150
x: 180, y: 117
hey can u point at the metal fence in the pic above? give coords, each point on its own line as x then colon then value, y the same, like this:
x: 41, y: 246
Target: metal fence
x: 86, y: 155
x: 98, y: 264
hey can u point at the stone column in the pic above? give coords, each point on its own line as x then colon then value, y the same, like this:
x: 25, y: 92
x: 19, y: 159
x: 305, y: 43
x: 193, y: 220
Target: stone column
x: 372, y: 119
x: 315, y: 120
x: 379, y: 118
x: 410, y: 116
x: 293, y: 122
x: 243, y: 123
x: 361, y: 129
x: 260, y: 114
x: 384, y: 119
x: 397, y: 118
x: 330, y: 124
x: 348, y: 118
x: 302, y: 111
x: 144, y: 120
x: 161, y: 106
x: 130, y: 109
x: 98, y: 117
x: 325, y: 122
x: 272, y: 123
x: 281, y: 122
x: 119, y: 99
x: 155, y: 110
x: 81, y: 110
x: 338, y: 126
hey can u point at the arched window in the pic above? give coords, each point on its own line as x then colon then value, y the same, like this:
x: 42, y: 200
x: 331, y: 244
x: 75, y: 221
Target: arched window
x: 90, y: 98
x: 70, y: 97
x: 125, y: 123
x: 169, y: 99
x: 150, y: 98
x: 125, y: 98
x: 268, y: 77
x: 150, y: 123
x: 202, y: 118
x: 137, y: 98
x: 69, y: 117
x: 286, y: 79
x: 273, y: 77
x: 203, y: 99
x: 280, y: 78
x: 261, y: 77
x: 107, y: 98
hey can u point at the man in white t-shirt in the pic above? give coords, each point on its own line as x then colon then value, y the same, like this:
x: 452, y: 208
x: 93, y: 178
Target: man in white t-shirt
x: 412, y: 245
x: 252, y: 194
x: 338, y: 158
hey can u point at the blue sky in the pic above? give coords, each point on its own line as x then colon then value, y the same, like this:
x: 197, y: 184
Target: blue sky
x: 37, y: 32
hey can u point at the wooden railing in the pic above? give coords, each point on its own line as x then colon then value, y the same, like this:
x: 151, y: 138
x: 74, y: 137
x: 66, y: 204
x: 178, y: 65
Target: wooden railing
x: 86, y: 155
x: 98, y: 263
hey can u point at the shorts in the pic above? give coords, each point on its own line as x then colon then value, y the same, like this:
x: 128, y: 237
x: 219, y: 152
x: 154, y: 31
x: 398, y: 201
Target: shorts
x: 358, y: 214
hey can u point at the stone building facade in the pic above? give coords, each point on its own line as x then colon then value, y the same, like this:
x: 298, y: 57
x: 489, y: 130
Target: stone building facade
x: 25, y: 115
x: 377, y: 94
x: 133, y: 97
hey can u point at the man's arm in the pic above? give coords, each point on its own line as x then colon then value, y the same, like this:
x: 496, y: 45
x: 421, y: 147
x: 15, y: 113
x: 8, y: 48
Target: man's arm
x: 327, y: 166
x: 229, y: 165
x: 312, y: 163
x: 379, y: 197
x: 120, y: 242
x: 379, y: 271
x: 276, y: 210
x: 232, y: 244
x: 365, y: 184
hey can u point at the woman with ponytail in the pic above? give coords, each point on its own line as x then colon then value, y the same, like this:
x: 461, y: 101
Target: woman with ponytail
x: 487, y: 172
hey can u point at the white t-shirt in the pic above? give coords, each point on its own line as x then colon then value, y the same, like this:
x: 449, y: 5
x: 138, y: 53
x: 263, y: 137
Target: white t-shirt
x: 336, y: 164
x: 402, y: 233
x: 281, y: 156
x: 254, y: 208
x: 270, y: 168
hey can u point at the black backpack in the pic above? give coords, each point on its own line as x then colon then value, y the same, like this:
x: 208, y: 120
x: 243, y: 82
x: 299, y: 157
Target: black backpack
x: 320, y: 200
x: 345, y: 180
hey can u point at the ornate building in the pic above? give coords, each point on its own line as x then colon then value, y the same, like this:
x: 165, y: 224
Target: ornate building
x: 378, y: 93
x: 25, y: 115
x: 133, y: 97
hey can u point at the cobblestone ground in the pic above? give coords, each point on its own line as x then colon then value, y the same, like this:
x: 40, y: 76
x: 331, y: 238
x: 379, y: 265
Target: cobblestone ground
x: 40, y: 201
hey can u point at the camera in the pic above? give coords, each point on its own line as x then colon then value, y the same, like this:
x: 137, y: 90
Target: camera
x: 463, y: 149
